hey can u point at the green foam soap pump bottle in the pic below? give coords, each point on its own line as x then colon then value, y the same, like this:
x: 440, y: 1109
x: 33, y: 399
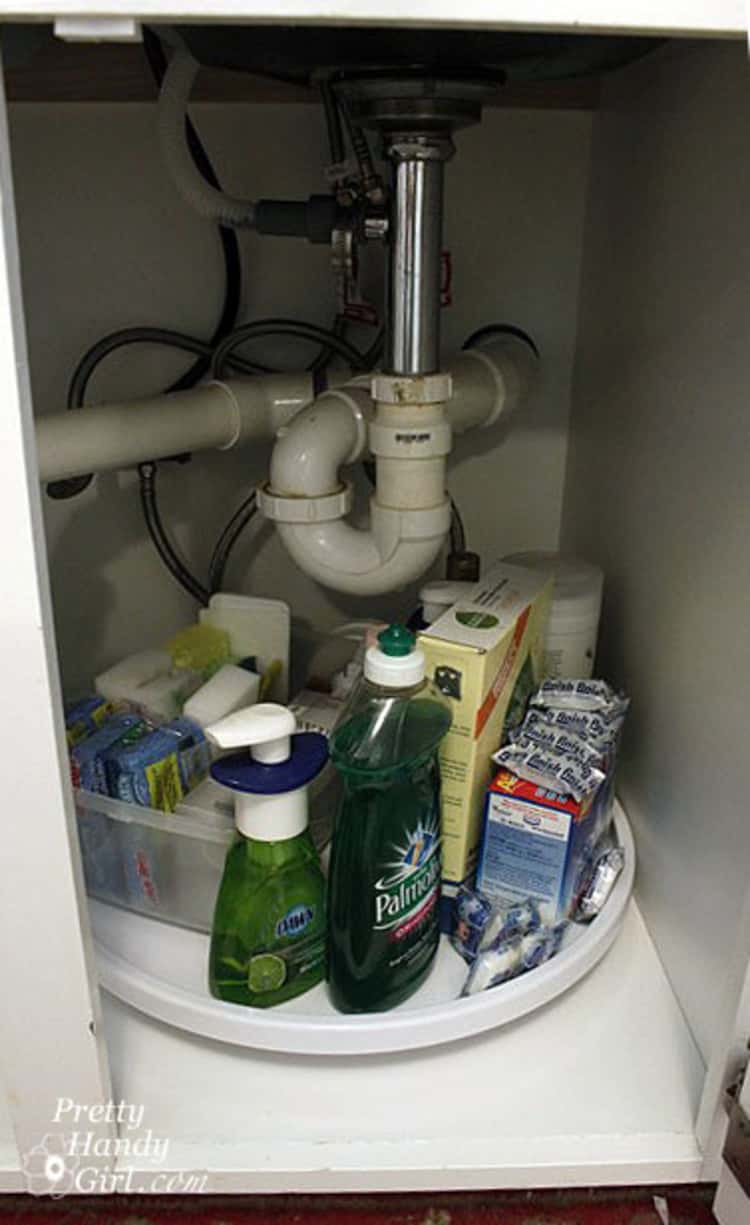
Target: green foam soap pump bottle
x: 268, y: 935
x: 384, y: 879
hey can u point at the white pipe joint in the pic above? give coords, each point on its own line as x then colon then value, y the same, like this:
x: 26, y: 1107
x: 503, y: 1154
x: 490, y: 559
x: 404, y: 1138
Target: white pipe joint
x: 410, y: 445
x: 489, y: 382
x: 304, y: 485
x: 409, y: 514
x: 211, y: 416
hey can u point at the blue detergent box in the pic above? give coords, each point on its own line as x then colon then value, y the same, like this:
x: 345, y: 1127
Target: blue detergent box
x: 537, y: 844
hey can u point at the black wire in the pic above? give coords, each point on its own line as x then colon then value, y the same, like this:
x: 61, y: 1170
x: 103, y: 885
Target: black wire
x: 162, y: 544
x: 286, y: 327
x: 227, y: 540
x: 325, y: 352
x: 372, y: 355
x: 458, y: 531
x: 499, y: 329
x: 141, y: 335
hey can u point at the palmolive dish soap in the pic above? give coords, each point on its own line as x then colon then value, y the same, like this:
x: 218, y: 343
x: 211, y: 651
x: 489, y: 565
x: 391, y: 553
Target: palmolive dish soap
x: 384, y: 880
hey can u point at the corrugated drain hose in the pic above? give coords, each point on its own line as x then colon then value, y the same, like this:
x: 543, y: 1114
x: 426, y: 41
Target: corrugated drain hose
x: 209, y: 201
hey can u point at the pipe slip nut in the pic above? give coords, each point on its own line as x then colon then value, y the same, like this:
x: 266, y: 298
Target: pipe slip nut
x: 426, y: 523
x: 412, y: 388
x: 296, y: 509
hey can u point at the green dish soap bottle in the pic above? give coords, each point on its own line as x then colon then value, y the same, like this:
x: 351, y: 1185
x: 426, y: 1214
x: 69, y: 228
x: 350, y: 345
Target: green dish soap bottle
x: 268, y: 935
x: 384, y: 879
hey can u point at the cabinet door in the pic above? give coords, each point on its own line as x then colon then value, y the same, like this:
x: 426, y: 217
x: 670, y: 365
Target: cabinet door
x: 51, y: 1046
x: 732, y: 1203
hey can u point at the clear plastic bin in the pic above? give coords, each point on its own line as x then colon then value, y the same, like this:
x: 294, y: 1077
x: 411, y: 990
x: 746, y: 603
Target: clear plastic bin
x: 168, y: 865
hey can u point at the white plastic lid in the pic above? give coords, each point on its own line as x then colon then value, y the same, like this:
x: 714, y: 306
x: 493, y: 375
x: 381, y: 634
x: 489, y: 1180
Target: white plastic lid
x: 577, y: 596
x: 395, y: 663
x: 437, y: 597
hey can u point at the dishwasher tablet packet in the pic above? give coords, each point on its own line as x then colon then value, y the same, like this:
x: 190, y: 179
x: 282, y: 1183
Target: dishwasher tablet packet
x: 561, y: 743
x: 480, y: 923
x: 599, y: 884
x: 87, y: 757
x: 493, y: 967
x: 580, y: 695
x: 506, y: 922
x: 472, y: 914
x: 565, y: 775
x: 513, y: 957
x: 593, y: 727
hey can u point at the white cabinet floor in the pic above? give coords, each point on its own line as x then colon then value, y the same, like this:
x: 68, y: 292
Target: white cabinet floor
x: 599, y: 1087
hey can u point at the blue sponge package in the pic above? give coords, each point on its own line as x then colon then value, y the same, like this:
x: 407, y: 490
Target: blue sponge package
x: 86, y: 757
x: 156, y: 770
x: 86, y: 716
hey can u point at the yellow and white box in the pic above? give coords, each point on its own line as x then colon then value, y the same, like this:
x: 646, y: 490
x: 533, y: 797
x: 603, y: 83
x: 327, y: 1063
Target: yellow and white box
x: 485, y: 654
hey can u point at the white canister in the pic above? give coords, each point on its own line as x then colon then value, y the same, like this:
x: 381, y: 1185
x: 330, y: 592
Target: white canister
x: 437, y: 597
x: 570, y: 647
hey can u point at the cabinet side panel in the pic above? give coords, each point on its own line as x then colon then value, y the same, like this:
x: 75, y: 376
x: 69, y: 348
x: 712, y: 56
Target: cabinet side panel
x: 50, y: 1039
x: 658, y: 490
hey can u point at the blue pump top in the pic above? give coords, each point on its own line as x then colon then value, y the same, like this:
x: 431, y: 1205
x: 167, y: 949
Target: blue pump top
x: 309, y: 753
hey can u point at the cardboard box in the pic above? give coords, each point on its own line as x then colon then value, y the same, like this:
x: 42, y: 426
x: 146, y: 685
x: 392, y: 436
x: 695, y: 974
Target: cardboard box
x: 486, y: 655
x: 536, y: 843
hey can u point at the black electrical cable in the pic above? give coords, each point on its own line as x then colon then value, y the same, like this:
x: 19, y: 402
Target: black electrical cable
x: 177, y: 568
x: 286, y: 327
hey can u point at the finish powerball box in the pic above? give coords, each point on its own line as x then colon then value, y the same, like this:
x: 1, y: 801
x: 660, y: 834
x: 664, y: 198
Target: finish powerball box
x: 535, y: 844
x: 485, y: 654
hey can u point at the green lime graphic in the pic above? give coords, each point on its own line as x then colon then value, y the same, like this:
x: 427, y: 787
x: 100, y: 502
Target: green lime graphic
x: 266, y: 973
x: 477, y: 621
